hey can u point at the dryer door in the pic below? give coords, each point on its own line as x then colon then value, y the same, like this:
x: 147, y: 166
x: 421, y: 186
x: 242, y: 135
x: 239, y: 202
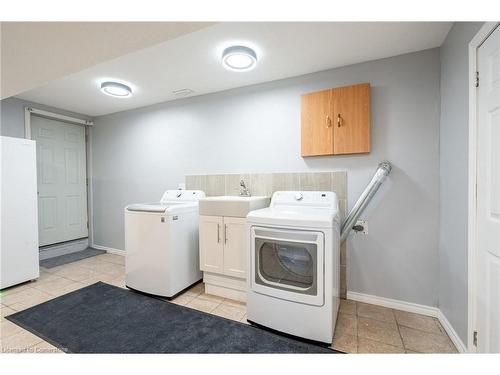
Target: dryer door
x: 288, y: 264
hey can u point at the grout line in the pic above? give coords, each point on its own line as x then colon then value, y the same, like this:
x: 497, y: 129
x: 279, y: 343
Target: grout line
x: 357, y: 326
x: 399, y: 331
x: 216, y: 307
x: 383, y: 321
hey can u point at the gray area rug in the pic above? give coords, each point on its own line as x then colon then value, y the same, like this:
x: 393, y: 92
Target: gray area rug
x: 70, y: 258
x: 102, y: 318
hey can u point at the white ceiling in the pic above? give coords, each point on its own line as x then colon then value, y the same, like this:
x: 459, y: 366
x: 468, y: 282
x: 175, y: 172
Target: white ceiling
x: 193, y: 61
x: 35, y: 53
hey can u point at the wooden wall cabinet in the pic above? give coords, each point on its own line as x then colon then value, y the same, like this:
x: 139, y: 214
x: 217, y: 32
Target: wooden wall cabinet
x: 336, y: 121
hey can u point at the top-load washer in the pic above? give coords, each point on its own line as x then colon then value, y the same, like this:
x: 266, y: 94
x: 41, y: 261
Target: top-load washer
x: 161, y: 244
x: 293, y: 281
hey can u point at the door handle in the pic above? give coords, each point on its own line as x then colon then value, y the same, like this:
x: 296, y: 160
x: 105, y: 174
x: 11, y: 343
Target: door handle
x: 225, y: 233
x: 328, y: 121
x: 339, y: 120
x: 218, y: 233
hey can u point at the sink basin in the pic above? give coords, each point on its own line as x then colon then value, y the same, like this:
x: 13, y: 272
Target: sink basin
x: 235, y: 206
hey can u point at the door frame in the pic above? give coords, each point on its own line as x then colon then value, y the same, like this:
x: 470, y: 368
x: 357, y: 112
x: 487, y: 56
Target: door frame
x: 29, y: 111
x: 484, y: 32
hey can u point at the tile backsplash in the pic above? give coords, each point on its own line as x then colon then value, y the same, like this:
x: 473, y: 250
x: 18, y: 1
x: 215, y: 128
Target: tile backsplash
x: 268, y: 183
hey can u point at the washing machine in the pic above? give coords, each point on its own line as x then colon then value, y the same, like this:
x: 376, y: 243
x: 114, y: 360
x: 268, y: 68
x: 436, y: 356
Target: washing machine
x: 161, y: 244
x: 293, y: 281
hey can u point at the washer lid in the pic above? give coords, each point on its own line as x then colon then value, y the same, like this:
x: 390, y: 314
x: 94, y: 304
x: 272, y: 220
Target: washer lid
x: 172, y: 201
x: 150, y: 207
x: 167, y: 208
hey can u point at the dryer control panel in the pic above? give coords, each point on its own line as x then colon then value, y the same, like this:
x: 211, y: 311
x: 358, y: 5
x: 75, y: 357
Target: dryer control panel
x: 319, y: 199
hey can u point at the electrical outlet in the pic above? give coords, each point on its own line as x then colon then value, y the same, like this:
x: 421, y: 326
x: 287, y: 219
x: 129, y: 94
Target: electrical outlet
x: 181, y: 186
x: 364, y: 224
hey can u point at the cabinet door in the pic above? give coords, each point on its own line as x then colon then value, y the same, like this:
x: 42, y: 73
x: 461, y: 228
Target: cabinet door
x: 235, y: 247
x: 317, y: 123
x: 351, y: 112
x: 211, y: 244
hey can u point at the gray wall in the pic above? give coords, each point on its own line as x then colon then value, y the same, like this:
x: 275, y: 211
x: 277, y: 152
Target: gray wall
x: 12, y: 116
x: 138, y: 154
x: 453, y: 175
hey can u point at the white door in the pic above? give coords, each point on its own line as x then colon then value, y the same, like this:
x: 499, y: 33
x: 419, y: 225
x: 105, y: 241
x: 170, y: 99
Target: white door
x: 235, y: 251
x: 211, y: 244
x: 62, y: 180
x: 488, y: 195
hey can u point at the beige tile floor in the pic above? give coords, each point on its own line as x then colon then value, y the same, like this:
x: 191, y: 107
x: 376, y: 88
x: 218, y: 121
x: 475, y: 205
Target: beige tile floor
x: 361, y: 328
x: 364, y: 328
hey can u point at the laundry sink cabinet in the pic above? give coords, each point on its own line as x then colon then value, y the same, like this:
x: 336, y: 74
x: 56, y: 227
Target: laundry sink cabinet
x: 223, y: 243
x: 222, y: 240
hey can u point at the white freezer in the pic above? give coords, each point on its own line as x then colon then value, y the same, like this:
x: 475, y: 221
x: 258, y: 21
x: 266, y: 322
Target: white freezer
x: 19, y: 212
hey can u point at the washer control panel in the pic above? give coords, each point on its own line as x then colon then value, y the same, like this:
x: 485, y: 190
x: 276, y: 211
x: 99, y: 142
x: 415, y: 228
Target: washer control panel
x: 182, y: 195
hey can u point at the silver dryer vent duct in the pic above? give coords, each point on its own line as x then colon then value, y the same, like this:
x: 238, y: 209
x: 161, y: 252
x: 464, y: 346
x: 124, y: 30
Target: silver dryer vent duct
x: 383, y: 170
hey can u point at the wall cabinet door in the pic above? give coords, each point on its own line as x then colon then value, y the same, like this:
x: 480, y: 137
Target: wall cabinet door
x: 317, y: 125
x: 336, y: 121
x: 235, y: 247
x: 351, y: 132
x: 211, y: 229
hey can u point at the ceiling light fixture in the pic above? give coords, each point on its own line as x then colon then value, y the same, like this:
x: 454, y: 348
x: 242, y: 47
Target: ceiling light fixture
x: 239, y: 58
x: 115, y: 89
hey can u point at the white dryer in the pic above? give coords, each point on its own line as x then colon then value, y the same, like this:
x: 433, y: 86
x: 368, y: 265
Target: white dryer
x: 161, y: 244
x: 293, y: 283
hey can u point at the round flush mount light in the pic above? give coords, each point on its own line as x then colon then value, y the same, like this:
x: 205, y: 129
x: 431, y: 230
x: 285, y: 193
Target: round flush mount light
x: 239, y: 58
x: 115, y: 89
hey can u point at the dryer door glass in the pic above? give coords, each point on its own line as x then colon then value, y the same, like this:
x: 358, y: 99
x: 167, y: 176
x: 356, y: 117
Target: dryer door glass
x: 287, y: 265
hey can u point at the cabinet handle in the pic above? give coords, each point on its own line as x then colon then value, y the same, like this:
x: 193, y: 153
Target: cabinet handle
x: 225, y: 233
x: 218, y: 233
x: 339, y: 120
x: 328, y: 121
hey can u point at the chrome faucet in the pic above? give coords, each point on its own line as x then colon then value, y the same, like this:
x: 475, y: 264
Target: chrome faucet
x: 244, y: 191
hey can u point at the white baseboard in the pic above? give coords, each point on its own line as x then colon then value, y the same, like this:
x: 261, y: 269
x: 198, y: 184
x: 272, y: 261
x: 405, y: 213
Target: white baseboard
x: 459, y: 344
x: 394, y: 304
x: 413, y: 308
x: 109, y: 249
